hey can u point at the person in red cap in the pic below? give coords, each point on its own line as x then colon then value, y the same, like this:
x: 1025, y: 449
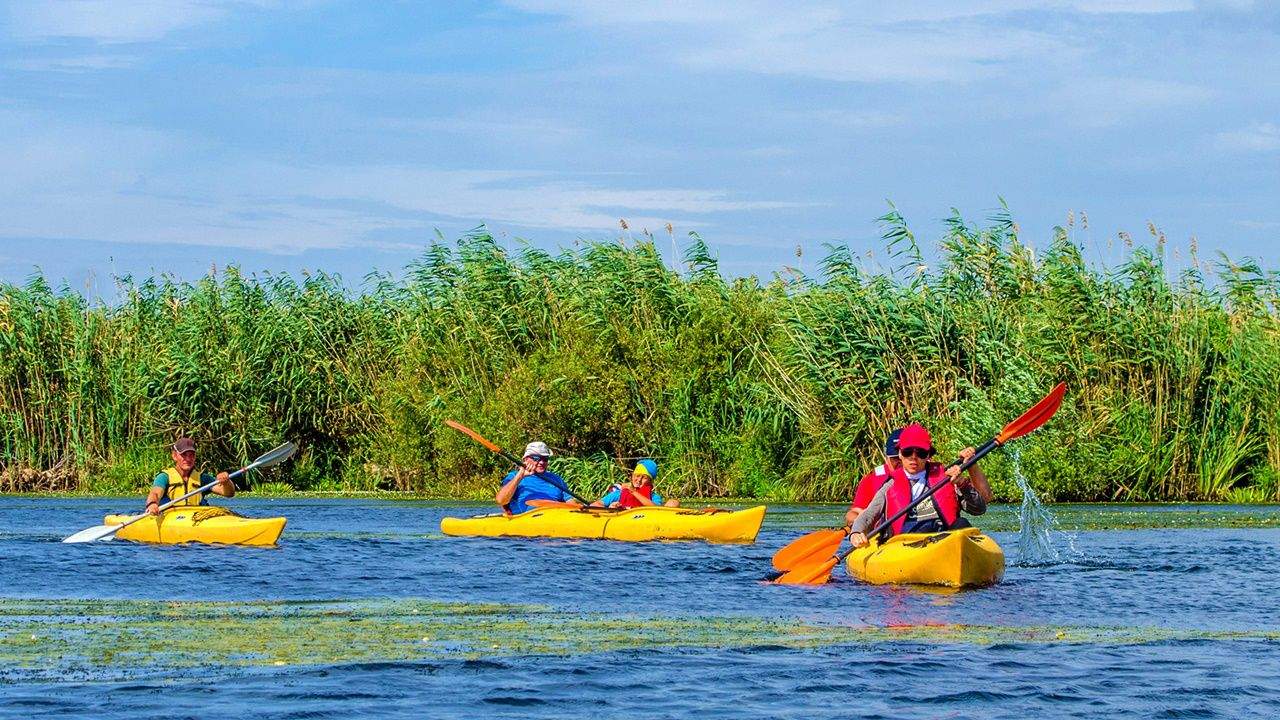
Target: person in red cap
x: 918, y: 473
x: 178, y: 480
x: 872, y: 481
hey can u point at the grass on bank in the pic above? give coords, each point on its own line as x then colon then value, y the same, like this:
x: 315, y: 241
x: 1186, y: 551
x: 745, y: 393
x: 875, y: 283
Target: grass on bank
x: 778, y: 388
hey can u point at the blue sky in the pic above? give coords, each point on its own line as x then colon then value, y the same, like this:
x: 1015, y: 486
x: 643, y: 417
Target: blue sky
x: 140, y: 136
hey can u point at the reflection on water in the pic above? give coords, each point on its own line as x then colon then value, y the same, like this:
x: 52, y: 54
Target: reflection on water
x: 365, y: 609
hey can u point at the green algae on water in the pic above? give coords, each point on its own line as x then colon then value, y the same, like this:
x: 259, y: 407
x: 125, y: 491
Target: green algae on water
x: 116, y: 640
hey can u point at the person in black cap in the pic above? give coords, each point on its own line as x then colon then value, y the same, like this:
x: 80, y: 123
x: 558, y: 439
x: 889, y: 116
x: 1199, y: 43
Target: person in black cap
x: 178, y: 481
x: 872, y: 481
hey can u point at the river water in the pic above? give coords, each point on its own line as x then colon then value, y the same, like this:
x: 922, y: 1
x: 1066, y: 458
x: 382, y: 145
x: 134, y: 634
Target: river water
x: 364, y: 609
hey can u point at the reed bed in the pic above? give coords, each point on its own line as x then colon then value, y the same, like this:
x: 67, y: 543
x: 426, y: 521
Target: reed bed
x: 780, y: 388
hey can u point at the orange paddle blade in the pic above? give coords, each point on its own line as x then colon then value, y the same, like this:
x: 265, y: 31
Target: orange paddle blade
x: 1035, y: 417
x: 819, y: 542
x: 472, y: 434
x: 809, y: 574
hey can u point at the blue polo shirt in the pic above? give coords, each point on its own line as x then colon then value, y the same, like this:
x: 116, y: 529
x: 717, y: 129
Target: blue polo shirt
x: 544, y: 486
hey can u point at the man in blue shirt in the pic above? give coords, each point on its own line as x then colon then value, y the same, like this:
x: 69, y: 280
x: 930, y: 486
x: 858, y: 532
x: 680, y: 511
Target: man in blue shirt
x: 531, y: 481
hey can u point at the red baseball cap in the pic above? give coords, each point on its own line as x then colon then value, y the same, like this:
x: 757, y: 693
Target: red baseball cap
x: 915, y: 436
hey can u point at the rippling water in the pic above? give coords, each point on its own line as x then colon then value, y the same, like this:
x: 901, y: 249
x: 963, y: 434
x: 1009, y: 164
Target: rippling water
x: 365, y: 609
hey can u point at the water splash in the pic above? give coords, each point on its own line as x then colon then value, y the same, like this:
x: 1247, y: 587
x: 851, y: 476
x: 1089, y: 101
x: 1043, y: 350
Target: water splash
x: 1037, y: 526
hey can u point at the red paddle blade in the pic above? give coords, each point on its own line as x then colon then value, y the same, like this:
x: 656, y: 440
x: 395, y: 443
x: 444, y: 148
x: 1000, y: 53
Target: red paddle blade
x: 472, y: 434
x: 1038, y: 415
x: 822, y: 543
x: 809, y: 574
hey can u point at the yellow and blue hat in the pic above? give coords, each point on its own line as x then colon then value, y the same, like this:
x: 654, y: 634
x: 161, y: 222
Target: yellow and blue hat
x: 647, y: 467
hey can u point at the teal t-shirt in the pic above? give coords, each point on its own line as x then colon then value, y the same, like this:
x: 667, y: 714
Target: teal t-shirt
x: 162, y: 482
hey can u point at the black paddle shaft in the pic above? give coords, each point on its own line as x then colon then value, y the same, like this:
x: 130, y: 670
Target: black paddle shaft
x: 977, y: 455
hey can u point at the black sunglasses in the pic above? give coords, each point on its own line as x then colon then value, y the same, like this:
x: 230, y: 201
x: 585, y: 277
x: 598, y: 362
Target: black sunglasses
x: 916, y: 453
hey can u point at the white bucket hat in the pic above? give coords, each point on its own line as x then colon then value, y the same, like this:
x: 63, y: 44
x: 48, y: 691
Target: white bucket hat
x: 537, y: 448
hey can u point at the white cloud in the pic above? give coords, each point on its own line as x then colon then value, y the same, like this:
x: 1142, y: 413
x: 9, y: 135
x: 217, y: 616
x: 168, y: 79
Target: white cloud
x: 1103, y: 102
x: 1258, y: 224
x: 1228, y: 4
x: 120, y: 184
x: 537, y: 200
x: 849, y: 120
x: 76, y: 63
x: 941, y: 10
x: 114, y: 21
x: 926, y: 40
x: 1104, y: 7
x: 845, y: 53
x: 492, y: 126
x: 712, y: 12
x: 1259, y: 137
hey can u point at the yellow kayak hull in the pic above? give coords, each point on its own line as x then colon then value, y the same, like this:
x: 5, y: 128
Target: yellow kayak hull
x: 960, y: 558
x: 200, y: 524
x: 635, y: 525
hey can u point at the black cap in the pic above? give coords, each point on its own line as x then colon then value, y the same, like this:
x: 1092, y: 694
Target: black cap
x: 891, y: 443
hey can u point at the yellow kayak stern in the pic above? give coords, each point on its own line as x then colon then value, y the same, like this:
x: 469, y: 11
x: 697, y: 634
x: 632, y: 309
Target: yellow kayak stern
x: 633, y: 525
x: 200, y: 524
x: 958, y: 558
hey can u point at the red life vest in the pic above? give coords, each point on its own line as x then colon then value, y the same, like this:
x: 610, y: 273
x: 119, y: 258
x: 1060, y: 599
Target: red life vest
x: 868, y: 486
x: 629, y: 499
x: 899, y: 496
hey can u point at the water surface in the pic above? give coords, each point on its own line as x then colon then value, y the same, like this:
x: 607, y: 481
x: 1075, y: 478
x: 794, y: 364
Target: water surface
x: 365, y: 609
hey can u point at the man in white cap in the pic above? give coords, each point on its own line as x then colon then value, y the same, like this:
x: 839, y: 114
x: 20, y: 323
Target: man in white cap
x: 532, y: 482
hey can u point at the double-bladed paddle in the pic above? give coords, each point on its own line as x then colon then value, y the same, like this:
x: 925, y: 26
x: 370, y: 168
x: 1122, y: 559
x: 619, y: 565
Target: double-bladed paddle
x: 493, y: 447
x: 811, y: 570
x: 819, y: 543
x: 100, y: 532
x: 807, y: 547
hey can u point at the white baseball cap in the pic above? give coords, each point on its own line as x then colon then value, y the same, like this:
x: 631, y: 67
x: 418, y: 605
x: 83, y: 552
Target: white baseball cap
x: 537, y: 448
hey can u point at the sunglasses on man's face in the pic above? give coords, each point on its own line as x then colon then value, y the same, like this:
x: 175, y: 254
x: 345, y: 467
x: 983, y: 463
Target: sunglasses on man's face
x: 915, y: 453
x: 538, y: 458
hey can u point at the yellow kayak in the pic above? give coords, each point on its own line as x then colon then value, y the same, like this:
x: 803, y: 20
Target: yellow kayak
x: 634, y: 525
x: 960, y: 558
x: 202, y: 524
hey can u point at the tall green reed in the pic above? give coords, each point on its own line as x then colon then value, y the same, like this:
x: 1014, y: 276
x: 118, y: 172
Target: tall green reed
x: 781, y: 388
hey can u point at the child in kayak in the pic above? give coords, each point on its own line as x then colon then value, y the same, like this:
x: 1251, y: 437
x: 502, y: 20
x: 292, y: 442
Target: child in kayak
x: 638, y: 491
x: 941, y: 511
x: 177, y: 481
x: 872, y: 481
x: 532, y: 482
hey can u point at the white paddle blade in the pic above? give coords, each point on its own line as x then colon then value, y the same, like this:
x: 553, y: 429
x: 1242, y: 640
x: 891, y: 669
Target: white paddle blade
x: 277, y: 456
x: 94, y: 534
